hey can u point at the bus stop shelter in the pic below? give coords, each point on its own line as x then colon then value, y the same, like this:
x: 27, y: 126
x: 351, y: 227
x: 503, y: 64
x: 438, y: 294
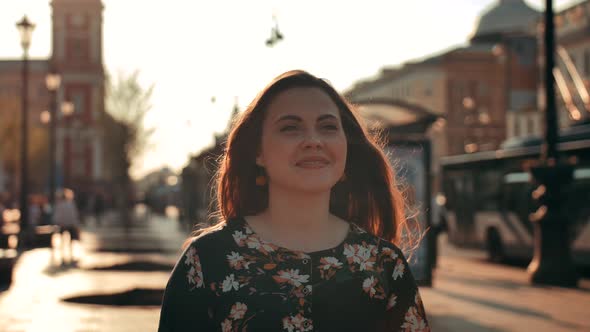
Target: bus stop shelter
x: 404, y: 127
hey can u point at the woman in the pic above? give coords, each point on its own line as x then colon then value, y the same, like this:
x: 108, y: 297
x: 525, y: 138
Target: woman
x: 310, y: 212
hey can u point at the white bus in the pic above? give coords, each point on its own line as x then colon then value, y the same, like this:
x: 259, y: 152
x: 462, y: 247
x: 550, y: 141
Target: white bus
x: 488, y: 199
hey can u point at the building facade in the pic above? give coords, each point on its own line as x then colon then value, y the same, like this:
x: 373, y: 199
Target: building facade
x: 76, y: 56
x: 573, y: 63
x: 475, y: 88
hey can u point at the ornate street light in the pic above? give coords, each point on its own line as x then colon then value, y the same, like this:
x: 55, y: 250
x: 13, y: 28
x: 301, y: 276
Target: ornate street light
x: 25, y: 28
x: 67, y: 109
x: 552, y: 263
x: 52, y: 81
x: 275, y: 34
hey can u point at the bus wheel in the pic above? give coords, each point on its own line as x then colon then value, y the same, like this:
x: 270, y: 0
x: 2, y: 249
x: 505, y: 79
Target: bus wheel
x: 494, y: 246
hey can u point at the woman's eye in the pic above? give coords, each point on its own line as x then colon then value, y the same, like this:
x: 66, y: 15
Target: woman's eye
x: 288, y: 128
x: 330, y: 127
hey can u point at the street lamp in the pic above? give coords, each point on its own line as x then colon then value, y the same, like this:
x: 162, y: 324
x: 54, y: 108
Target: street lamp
x: 275, y: 34
x: 67, y: 109
x: 25, y: 28
x: 52, y: 81
x: 552, y: 263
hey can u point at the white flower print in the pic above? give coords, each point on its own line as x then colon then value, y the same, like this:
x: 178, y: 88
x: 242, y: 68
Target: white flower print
x: 229, y: 283
x: 248, y: 230
x: 362, y: 255
x: 226, y: 325
x: 195, y: 273
x: 190, y: 256
x: 392, y: 301
x: 389, y: 252
x: 297, y: 324
x: 302, y: 255
x: 350, y: 253
x: 329, y: 262
x: 369, y: 286
x: 255, y: 243
x: 366, y: 265
x: 236, y: 261
x: 239, y: 237
x: 238, y: 311
x: 414, y: 322
x: 293, y: 277
x: 398, y: 271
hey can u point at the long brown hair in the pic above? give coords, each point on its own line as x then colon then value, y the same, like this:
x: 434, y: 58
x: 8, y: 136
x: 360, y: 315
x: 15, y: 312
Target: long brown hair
x: 369, y: 197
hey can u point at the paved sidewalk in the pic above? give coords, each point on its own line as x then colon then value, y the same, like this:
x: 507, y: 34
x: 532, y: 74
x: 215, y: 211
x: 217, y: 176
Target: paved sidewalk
x: 469, y: 294
x: 34, y: 301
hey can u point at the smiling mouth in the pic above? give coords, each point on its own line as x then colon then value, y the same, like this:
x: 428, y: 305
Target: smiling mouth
x: 312, y: 164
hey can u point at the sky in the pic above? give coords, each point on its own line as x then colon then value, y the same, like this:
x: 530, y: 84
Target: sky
x: 191, y: 51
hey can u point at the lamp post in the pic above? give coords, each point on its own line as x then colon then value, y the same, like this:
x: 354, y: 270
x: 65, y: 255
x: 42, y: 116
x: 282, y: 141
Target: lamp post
x: 275, y: 34
x: 52, y: 80
x: 552, y: 263
x: 25, y: 28
x: 67, y: 109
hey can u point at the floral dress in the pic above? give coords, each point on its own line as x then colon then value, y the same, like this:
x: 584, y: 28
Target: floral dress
x: 231, y: 280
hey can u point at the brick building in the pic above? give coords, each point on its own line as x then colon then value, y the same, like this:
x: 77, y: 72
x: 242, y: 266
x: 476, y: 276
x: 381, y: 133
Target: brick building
x: 474, y: 88
x: 573, y: 34
x: 76, y: 55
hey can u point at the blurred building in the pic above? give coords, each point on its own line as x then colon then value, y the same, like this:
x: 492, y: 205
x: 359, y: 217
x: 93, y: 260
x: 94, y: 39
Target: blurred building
x: 198, y: 178
x: 476, y: 89
x: 159, y: 189
x: 573, y: 34
x: 76, y: 55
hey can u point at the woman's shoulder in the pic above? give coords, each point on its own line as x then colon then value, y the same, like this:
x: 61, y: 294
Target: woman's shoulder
x: 217, y: 235
x: 362, y: 236
x: 208, y: 236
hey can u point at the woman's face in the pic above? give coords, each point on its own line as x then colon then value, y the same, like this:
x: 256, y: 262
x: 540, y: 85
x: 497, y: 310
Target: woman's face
x: 303, y: 146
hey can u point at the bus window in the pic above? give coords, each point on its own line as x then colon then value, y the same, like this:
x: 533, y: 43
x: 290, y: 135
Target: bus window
x: 487, y: 195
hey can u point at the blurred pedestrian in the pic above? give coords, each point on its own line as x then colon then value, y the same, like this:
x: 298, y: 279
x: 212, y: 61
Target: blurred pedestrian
x: 45, y: 213
x: 311, y: 220
x: 2, y: 209
x: 34, y: 214
x: 66, y: 216
x: 98, y: 207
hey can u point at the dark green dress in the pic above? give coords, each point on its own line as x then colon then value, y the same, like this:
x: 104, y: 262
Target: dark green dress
x: 231, y: 280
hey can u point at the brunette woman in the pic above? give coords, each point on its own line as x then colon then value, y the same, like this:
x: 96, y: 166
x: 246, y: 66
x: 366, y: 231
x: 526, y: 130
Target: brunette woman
x: 310, y: 229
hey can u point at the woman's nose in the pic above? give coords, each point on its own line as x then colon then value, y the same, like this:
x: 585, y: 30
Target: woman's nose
x: 312, y: 140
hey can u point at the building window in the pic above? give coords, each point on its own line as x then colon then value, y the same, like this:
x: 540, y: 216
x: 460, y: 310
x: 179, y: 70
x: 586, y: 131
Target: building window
x: 78, y: 166
x: 483, y: 89
x: 77, y: 48
x: 516, y: 126
x: 79, y: 100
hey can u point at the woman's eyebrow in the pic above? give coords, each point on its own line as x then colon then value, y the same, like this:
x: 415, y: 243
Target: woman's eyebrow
x: 299, y: 119
x: 326, y: 117
x: 289, y: 117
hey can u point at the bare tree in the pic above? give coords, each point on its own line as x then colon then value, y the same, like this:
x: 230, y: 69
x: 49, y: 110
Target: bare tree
x: 126, y: 137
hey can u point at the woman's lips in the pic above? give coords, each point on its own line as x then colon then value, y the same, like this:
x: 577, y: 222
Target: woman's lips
x: 312, y: 163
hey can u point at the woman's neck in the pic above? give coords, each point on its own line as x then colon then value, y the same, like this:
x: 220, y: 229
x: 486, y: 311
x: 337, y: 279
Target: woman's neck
x: 299, y: 221
x: 298, y: 211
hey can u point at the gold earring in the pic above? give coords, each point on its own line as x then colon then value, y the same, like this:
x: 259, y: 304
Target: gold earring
x: 261, y: 180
